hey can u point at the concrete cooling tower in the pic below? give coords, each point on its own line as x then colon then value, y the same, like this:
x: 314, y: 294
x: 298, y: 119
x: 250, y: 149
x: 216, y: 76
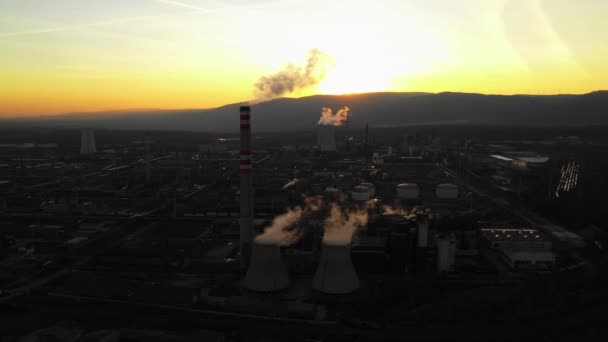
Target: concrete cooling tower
x: 87, y: 141
x: 335, y: 273
x: 267, y: 271
x: 326, y: 137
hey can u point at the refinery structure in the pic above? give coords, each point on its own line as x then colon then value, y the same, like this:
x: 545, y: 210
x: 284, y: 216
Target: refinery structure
x: 245, y: 238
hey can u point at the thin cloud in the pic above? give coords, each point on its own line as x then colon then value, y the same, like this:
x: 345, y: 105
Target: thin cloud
x: 72, y: 27
x: 186, y: 5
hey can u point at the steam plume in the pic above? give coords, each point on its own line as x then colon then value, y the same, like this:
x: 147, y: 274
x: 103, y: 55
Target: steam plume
x: 408, y: 215
x: 282, y: 230
x: 291, y: 183
x: 293, y: 77
x: 341, y: 225
x: 334, y: 119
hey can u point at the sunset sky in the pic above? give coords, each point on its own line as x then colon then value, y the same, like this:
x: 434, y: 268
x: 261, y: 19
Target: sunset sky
x: 60, y: 56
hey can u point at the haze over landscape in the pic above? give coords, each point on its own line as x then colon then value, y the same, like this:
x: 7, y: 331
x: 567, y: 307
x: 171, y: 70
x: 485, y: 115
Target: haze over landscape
x: 68, y: 56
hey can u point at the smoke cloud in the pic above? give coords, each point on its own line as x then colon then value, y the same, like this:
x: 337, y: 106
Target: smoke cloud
x: 338, y: 118
x: 291, y: 183
x: 293, y: 77
x: 341, y: 224
x: 283, y: 231
x: 407, y: 214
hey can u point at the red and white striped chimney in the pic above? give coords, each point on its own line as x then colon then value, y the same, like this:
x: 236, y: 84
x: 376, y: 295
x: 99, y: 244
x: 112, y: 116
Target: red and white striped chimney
x: 246, y: 165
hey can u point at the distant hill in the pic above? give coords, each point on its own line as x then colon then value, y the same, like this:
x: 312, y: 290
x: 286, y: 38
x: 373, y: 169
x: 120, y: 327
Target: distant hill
x: 377, y: 109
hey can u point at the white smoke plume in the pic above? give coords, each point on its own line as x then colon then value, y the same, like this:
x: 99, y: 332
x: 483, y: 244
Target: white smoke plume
x: 329, y: 118
x: 341, y: 225
x: 291, y: 183
x: 407, y: 214
x: 282, y: 230
x: 293, y: 77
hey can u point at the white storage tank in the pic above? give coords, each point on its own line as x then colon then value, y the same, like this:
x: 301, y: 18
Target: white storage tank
x: 446, y: 191
x: 360, y: 193
x: 370, y: 187
x: 408, y: 191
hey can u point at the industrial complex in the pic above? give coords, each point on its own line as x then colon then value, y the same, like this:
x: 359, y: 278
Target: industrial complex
x: 351, y: 235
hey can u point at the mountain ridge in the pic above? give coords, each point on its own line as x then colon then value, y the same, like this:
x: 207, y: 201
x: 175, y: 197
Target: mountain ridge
x: 376, y: 109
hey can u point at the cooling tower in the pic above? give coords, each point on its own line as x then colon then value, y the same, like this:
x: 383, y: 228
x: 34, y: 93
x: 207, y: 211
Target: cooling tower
x: 326, y: 137
x: 335, y: 273
x: 446, y: 191
x: 266, y: 272
x: 246, y: 190
x: 408, y: 191
x: 87, y: 141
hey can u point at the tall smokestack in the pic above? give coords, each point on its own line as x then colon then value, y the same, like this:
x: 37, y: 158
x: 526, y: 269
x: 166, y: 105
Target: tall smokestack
x: 246, y: 165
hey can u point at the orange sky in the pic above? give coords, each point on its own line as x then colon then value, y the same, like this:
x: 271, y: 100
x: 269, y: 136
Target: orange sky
x: 65, y: 56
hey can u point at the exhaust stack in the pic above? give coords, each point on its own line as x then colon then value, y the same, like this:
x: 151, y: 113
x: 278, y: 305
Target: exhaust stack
x: 246, y: 189
x: 266, y: 272
x: 87, y: 141
x: 336, y: 273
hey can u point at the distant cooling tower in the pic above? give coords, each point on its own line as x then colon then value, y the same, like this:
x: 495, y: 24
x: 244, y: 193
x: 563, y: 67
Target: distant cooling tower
x: 266, y: 272
x: 336, y: 273
x: 326, y: 137
x: 87, y: 141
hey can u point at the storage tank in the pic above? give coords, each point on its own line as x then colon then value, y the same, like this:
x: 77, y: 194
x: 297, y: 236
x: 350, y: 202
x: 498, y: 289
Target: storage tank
x: 446, y: 248
x: 408, y: 191
x: 422, y: 230
x: 326, y: 137
x: 370, y: 187
x: 446, y: 191
x: 335, y: 273
x: 267, y: 271
x: 360, y: 193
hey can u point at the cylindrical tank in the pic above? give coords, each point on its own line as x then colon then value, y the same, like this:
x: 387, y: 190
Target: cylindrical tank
x: 335, y: 273
x: 443, y: 254
x: 370, y: 187
x: 446, y: 191
x: 423, y: 231
x: 360, y: 193
x: 446, y: 252
x: 266, y: 272
x: 408, y: 191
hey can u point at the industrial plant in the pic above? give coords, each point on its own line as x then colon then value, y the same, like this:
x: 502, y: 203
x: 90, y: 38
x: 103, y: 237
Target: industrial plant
x: 355, y: 235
